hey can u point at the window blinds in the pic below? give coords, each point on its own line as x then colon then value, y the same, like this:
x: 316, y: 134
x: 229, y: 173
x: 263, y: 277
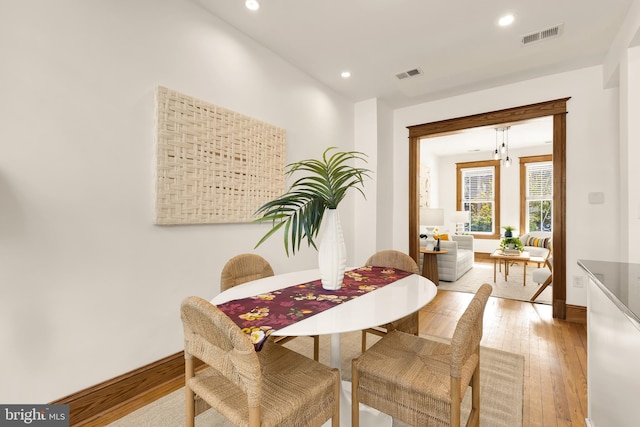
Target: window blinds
x: 478, y: 184
x: 540, y: 181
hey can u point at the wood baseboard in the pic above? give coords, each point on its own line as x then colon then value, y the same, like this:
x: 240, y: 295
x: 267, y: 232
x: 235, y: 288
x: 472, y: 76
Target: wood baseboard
x: 108, y: 401
x: 482, y: 257
x: 576, y: 313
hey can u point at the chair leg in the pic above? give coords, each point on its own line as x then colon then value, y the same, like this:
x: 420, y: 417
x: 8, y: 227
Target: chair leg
x: 455, y: 402
x: 316, y: 348
x: 542, y: 288
x: 355, y: 404
x: 189, y: 395
x: 335, y: 420
x: 364, y: 341
x: 255, y: 416
x: 474, y: 416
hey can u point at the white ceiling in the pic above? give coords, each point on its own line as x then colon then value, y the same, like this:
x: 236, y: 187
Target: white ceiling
x: 457, y: 44
x: 483, y: 139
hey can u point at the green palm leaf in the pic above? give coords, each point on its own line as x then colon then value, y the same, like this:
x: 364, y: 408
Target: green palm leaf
x: 323, y: 186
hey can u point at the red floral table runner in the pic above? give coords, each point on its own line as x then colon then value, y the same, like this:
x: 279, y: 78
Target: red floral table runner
x: 260, y: 315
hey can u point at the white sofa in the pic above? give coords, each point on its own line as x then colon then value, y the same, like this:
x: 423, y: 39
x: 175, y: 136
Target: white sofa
x: 459, y: 259
x: 538, y: 244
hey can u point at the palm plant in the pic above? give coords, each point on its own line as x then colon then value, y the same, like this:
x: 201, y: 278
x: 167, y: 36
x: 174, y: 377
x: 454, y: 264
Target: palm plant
x: 508, y: 230
x: 301, y: 209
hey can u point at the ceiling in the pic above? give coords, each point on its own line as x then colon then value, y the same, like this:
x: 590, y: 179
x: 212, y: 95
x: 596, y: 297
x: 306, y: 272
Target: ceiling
x: 522, y: 134
x: 457, y: 44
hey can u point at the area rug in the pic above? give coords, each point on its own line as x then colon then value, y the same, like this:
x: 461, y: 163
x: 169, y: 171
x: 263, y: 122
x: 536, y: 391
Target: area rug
x: 501, y: 393
x: 512, y: 289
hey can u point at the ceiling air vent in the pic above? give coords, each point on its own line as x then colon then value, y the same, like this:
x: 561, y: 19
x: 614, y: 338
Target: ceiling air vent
x: 538, y: 36
x: 411, y: 73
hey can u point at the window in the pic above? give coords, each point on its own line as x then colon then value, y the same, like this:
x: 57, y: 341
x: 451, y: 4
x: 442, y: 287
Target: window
x: 478, y: 190
x: 536, y: 189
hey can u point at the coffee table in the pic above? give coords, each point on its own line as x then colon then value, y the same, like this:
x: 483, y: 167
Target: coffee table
x: 499, y: 256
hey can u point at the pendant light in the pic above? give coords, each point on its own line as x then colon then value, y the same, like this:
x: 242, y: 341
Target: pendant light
x: 505, y: 143
x: 502, y: 149
x: 496, y: 153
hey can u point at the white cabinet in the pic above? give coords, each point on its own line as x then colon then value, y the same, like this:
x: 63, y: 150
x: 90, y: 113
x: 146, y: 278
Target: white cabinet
x: 613, y: 360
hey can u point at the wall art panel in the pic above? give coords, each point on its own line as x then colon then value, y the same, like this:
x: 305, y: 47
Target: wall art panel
x: 213, y: 165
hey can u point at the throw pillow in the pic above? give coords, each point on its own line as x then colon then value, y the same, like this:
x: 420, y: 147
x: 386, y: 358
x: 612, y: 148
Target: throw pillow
x: 538, y: 242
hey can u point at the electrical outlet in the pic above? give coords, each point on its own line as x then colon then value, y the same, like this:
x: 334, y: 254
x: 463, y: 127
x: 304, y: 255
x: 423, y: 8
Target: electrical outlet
x: 578, y: 282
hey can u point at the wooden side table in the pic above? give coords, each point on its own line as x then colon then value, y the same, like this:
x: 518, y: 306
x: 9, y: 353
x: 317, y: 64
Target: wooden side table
x: 430, y: 264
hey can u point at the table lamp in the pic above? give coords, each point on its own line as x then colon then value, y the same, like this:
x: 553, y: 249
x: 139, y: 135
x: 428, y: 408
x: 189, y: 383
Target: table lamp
x: 430, y: 218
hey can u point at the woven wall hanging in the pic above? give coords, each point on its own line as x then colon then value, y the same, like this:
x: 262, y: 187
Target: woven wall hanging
x: 213, y: 165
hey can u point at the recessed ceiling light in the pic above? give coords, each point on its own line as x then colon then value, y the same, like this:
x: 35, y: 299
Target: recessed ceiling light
x: 506, y: 20
x: 345, y: 74
x: 252, y: 4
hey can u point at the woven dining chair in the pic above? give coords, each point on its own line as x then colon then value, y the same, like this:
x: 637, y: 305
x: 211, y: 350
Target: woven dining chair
x: 273, y: 387
x: 421, y: 381
x: 244, y: 268
x: 247, y: 267
x: 394, y: 259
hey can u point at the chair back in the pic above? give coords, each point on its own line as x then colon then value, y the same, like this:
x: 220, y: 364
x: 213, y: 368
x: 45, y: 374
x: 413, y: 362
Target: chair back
x: 394, y: 259
x: 400, y: 260
x: 215, y: 339
x: 244, y: 268
x: 468, y: 333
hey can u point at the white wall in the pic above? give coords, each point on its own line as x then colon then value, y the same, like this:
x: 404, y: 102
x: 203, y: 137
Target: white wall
x: 592, y: 153
x: 430, y: 175
x: 622, y: 68
x: 90, y: 287
x: 384, y: 180
x: 632, y: 143
x: 365, y: 218
x: 373, y: 215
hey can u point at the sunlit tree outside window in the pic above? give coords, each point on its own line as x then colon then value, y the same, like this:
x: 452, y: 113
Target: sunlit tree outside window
x: 478, y: 197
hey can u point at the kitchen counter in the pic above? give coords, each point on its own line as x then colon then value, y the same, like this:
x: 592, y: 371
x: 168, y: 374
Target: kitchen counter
x: 620, y: 282
x: 613, y: 343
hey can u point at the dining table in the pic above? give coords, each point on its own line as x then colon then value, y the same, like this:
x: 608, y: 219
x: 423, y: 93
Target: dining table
x: 376, y: 307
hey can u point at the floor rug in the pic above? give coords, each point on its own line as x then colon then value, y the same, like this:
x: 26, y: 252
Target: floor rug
x: 501, y: 394
x: 482, y: 272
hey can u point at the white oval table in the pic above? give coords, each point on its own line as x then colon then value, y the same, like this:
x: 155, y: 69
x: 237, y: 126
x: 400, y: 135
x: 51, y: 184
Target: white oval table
x: 379, y: 307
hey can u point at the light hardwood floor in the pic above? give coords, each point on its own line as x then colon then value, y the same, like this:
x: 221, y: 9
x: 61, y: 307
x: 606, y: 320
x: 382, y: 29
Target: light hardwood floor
x: 555, y: 351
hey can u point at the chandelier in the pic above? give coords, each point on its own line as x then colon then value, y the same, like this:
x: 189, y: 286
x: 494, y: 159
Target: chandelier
x: 502, y: 148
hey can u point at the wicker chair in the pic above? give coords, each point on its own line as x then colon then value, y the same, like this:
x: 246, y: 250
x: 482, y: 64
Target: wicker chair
x: 402, y: 261
x: 420, y: 381
x: 277, y: 387
x: 247, y: 267
x: 244, y: 268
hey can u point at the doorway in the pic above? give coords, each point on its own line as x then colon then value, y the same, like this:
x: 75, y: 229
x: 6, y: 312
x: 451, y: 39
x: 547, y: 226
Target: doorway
x: 557, y: 109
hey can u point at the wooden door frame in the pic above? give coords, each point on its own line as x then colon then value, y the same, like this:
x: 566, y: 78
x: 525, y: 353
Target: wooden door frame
x: 556, y: 108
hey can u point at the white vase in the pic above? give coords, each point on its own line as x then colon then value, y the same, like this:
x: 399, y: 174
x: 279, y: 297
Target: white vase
x: 332, y: 254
